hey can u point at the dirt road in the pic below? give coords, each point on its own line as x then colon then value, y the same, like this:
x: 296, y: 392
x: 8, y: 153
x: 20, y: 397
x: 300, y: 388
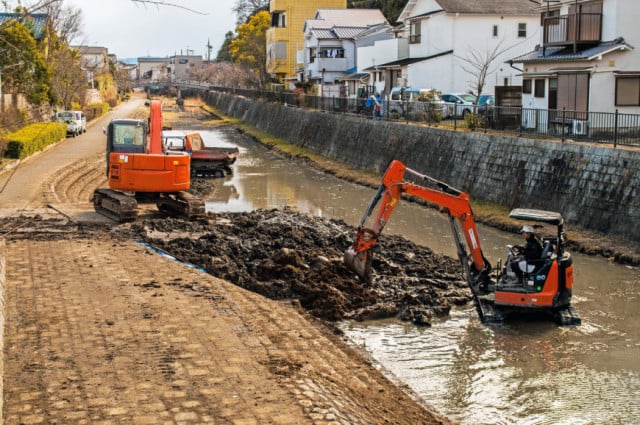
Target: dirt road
x: 99, y: 329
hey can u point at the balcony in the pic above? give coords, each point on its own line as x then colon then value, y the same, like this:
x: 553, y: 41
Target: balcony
x: 573, y: 29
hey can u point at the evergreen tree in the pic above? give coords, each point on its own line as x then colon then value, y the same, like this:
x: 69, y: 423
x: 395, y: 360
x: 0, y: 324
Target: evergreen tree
x: 223, y: 53
x: 391, y: 9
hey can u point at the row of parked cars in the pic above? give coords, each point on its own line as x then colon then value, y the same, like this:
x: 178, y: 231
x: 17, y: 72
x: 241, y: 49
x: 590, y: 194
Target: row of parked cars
x: 450, y: 104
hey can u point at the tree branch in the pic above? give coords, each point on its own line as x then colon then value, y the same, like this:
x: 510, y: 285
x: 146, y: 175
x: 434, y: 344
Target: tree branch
x: 159, y: 3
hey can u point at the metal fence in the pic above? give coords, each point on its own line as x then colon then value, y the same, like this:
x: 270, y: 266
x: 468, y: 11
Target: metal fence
x: 580, y: 126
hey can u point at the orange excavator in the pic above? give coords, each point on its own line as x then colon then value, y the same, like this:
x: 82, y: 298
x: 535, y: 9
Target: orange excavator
x: 138, y: 166
x: 542, y: 285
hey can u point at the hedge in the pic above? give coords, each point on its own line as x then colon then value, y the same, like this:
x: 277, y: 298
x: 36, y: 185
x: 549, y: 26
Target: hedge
x: 34, y: 138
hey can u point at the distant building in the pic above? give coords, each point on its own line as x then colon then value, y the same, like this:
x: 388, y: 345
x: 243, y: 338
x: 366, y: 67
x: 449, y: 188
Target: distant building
x: 182, y: 66
x: 153, y: 69
x: 93, y: 58
x: 93, y: 61
x: 285, y: 38
x: 37, y: 22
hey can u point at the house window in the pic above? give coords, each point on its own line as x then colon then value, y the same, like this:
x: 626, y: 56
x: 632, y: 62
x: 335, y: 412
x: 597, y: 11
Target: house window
x: 573, y: 92
x: 628, y: 91
x: 278, y: 20
x: 526, y: 86
x: 522, y: 30
x: 331, y: 52
x: 539, y: 88
x: 414, y: 32
x: 495, y: 30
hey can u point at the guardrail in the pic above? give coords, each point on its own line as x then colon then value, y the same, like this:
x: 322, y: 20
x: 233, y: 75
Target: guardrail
x: 580, y: 126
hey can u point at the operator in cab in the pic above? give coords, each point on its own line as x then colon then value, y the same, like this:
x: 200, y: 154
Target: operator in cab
x: 531, y: 251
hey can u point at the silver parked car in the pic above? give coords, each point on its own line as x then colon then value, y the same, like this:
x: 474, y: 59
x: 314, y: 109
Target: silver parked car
x: 458, y: 104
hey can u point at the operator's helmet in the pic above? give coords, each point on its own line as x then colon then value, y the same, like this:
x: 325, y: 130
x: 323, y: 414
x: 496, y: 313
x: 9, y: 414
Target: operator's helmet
x: 527, y: 229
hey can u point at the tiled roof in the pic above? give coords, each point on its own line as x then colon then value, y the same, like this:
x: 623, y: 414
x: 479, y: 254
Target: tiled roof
x: 348, y: 32
x: 323, y: 34
x: 409, y: 61
x: 566, y: 54
x: 350, y: 17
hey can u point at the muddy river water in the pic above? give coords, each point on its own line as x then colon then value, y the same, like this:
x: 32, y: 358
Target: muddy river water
x: 522, y: 372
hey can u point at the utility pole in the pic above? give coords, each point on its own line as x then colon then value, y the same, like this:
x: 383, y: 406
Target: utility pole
x: 209, y: 47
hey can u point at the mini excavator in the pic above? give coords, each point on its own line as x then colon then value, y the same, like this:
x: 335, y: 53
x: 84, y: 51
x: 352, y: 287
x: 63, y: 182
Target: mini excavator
x: 543, y: 285
x: 139, y: 167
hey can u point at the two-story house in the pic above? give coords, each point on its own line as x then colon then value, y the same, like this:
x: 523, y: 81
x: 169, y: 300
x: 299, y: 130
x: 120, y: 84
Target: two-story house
x: 285, y: 37
x: 585, y: 60
x: 454, y: 45
x: 330, y: 43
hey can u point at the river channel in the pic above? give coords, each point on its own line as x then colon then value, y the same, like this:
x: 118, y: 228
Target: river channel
x: 522, y: 372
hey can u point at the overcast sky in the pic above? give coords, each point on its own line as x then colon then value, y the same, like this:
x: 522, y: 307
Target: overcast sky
x: 131, y: 30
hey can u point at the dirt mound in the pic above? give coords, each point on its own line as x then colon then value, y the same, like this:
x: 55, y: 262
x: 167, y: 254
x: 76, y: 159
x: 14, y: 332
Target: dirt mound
x: 283, y: 254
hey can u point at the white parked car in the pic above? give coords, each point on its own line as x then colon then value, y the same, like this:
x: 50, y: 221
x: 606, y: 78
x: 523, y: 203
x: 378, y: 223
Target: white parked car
x: 459, y: 104
x: 76, y: 121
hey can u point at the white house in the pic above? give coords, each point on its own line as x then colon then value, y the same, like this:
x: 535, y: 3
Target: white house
x: 455, y: 44
x: 330, y: 44
x: 585, y: 60
x: 380, y: 59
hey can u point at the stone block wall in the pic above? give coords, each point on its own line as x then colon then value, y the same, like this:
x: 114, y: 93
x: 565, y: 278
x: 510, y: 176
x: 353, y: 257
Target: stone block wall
x: 594, y: 186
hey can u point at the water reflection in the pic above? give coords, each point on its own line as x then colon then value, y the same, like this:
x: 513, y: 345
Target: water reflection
x: 520, y: 373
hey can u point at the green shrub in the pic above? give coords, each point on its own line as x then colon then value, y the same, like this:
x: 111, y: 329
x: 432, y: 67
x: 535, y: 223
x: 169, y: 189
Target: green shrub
x: 96, y: 110
x: 475, y: 121
x: 33, y: 138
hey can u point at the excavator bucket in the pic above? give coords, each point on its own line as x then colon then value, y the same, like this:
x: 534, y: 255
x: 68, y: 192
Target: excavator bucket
x: 359, y: 263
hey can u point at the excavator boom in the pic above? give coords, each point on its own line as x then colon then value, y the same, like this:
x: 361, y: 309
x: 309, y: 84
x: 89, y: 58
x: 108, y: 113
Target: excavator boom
x: 394, y: 184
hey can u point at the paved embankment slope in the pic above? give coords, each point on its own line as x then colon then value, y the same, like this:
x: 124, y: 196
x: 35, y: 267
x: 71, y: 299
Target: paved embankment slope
x: 102, y: 330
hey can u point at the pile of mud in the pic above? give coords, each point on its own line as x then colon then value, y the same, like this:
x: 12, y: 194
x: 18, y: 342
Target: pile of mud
x: 283, y: 254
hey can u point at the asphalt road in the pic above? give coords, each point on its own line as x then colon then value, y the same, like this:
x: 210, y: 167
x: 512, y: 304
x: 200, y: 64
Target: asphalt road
x: 21, y: 185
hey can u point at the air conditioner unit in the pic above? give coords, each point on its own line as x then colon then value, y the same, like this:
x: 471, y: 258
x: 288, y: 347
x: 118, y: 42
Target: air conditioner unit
x: 579, y: 127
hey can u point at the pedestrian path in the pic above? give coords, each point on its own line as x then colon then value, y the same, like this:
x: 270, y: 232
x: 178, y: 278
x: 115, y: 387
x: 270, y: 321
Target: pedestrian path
x: 101, y: 330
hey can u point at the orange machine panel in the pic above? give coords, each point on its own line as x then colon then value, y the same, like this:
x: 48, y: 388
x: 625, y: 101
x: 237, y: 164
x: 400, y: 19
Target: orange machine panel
x: 149, y: 173
x: 543, y: 298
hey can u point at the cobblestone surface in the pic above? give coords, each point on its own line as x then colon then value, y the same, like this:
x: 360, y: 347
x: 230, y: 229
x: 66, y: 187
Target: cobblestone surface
x: 100, y: 330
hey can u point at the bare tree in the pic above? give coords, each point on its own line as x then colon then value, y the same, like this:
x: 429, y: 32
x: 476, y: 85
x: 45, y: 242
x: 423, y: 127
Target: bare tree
x: 69, y: 82
x: 226, y: 74
x: 244, y: 9
x: 159, y: 3
x: 65, y: 20
x: 481, y: 64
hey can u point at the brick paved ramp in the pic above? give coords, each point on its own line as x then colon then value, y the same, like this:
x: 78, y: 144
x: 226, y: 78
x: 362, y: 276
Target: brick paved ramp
x: 101, y: 330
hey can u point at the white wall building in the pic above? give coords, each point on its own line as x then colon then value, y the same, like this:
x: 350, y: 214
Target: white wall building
x: 330, y: 44
x: 586, y: 60
x: 450, y: 41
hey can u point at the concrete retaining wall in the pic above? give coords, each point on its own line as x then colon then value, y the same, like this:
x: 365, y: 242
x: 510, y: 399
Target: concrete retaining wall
x: 596, y: 187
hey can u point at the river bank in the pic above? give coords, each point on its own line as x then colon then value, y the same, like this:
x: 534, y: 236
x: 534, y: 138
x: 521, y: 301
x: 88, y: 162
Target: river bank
x: 615, y: 248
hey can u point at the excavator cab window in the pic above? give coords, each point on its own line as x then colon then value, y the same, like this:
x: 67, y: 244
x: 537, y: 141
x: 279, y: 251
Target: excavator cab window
x: 128, y: 138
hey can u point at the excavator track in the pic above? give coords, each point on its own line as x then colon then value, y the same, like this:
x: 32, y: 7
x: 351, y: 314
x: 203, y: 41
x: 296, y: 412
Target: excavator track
x: 181, y: 204
x: 567, y: 317
x: 115, y: 205
x: 487, y: 310
x: 206, y: 169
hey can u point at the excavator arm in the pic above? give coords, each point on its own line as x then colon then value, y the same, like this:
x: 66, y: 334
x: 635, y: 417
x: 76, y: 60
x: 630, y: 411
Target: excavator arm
x: 360, y: 255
